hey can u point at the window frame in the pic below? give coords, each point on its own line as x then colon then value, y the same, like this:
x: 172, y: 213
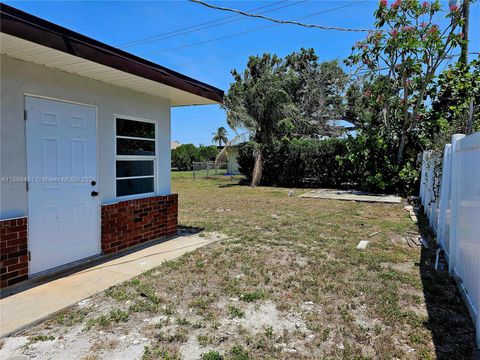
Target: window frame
x: 136, y: 157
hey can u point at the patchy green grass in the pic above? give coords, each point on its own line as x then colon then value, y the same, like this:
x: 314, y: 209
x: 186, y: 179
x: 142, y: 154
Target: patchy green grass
x: 105, y: 321
x: 287, y: 282
x: 160, y: 353
x: 253, y: 296
x: 235, y: 312
x: 71, y: 316
x: 37, y: 338
x: 212, y: 355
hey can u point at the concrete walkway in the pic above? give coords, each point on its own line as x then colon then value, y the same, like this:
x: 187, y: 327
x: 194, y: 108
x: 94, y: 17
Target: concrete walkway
x: 32, y: 305
x: 351, y: 195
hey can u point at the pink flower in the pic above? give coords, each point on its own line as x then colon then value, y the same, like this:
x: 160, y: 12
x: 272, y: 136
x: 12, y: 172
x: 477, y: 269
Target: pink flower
x: 383, y: 3
x: 461, y: 35
x: 396, y: 4
x: 423, y: 24
x: 453, y: 8
x: 433, y: 29
x: 426, y: 4
x: 394, y: 32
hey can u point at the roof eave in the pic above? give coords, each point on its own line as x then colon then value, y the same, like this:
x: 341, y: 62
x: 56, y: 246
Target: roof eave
x: 31, y: 28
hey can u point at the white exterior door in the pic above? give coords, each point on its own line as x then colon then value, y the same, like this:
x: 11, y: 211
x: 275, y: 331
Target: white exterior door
x: 63, y: 217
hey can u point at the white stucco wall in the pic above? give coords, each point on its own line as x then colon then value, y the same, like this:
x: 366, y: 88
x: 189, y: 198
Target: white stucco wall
x: 19, y: 78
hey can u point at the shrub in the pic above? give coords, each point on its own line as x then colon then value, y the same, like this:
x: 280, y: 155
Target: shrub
x: 371, y: 161
x: 297, y: 163
x: 207, y: 153
x: 184, y: 155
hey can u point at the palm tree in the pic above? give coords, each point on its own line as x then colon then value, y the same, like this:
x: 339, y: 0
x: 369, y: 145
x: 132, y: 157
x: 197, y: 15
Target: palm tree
x: 220, y: 136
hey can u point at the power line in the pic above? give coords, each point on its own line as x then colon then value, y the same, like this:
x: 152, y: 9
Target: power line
x: 250, y: 31
x: 204, y: 60
x: 206, y: 25
x: 133, y: 43
x: 358, y: 73
x: 292, y: 22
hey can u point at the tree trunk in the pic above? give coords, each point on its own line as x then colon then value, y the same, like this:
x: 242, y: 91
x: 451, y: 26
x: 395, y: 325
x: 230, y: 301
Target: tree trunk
x: 401, y: 147
x: 466, y: 17
x: 471, y: 111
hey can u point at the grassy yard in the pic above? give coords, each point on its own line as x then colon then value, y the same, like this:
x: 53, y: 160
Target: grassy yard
x: 287, y: 282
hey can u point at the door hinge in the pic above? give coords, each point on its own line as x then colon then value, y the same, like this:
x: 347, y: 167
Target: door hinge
x: 26, y: 185
x: 25, y: 114
x: 29, y: 256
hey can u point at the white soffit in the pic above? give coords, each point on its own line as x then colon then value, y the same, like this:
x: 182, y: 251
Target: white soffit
x: 28, y: 51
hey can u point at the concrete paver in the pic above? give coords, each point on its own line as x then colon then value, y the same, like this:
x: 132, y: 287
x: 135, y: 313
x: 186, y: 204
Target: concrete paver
x: 362, y: 245
x: 351, y: 195
x: 19, y: 310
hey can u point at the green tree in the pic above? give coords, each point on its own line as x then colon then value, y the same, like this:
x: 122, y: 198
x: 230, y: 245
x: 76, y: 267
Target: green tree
x: 280, y: 99
x: 184, y: 156
x: 220, y: 136
x: 406, y: 52
x: 207, y: 153
x: 455, y: 104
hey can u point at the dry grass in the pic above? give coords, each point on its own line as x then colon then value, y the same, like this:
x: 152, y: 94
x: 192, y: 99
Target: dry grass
x: 287, y: 283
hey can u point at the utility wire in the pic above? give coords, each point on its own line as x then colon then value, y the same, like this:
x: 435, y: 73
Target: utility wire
x: 251, y: 30
x: 292, y: 22
x: 216, y: 58
x: 204, y: 25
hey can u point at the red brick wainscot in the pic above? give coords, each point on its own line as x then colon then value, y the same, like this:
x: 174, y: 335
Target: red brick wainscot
x: 132, y: 222
x: 14, y: 253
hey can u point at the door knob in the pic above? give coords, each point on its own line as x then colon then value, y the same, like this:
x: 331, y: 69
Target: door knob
x: 94, y: 193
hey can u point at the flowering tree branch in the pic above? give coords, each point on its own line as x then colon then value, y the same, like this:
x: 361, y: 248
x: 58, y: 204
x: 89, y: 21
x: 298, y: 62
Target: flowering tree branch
x: 412, y: 47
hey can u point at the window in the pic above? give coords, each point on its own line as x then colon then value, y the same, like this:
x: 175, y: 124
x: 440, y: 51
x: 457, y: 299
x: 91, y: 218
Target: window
x: 135, y: 163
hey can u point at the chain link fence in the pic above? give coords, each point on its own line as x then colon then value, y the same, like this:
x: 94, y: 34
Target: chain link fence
x: 210, y: 169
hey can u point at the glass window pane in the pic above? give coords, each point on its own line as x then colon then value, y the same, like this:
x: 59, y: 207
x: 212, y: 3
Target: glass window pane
x: 135, y: 147
x: 135, y: 129
x: 134, y: 168
x: 134, y: 186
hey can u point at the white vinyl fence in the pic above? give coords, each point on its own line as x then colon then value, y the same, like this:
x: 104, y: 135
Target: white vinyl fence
x: 451, y: 199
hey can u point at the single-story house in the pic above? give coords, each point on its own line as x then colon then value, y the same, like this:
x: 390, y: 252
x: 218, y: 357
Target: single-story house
x: 85, y: 146
x: 174, y: 144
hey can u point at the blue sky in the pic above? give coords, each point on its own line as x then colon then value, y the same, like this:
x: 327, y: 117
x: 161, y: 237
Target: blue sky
x: 120, y: 23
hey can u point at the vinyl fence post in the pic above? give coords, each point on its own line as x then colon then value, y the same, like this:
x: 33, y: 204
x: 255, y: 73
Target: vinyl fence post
x: 478, y: 329
x: 444, y: 201
x: 422, y: 178
x: 454, y: 204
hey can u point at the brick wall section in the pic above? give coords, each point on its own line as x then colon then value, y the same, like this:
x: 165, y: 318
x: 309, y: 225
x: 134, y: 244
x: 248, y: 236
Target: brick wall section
x: 13, y: 251
x: 132, y: 222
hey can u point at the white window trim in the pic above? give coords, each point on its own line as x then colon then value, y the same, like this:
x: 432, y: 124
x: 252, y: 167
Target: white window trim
x: 136, y: 157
